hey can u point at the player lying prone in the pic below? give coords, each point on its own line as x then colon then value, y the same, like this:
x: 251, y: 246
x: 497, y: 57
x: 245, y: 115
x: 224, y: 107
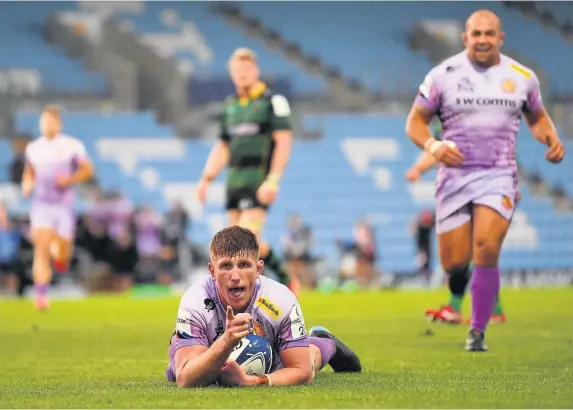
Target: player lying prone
x: 238, y: 328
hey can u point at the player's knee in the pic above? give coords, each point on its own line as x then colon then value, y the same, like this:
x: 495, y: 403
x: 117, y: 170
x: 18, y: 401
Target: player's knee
x: 455, y: 267
x: 486, y: 252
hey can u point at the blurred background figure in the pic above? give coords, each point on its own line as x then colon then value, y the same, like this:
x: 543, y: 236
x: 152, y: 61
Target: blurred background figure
x: 359, y: 255
x: 9, y: 245
x: 423, y: 229
x: 297, y: 245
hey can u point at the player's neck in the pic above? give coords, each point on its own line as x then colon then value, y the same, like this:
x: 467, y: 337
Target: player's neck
x: 51, y: 137
x: 250, y: 91
x: 486, y: 64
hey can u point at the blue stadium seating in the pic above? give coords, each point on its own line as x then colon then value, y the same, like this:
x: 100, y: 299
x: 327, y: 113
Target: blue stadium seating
x: 223, y: 39
x: 23, y: 47
x: 562, y: 11
x: 331, y: 183
x: 376, y: 51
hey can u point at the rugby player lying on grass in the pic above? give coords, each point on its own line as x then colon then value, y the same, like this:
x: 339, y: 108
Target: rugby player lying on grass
x: 235, y: 300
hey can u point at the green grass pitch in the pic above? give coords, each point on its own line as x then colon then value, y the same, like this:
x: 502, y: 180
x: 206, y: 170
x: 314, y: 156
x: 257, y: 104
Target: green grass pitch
x: 110, y: 352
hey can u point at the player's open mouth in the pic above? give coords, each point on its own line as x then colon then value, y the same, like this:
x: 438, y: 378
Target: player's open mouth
x: 483, y: 49
x: 236, y: 292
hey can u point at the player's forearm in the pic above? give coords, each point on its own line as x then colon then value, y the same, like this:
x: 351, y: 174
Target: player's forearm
x: 203, y: 369
x: 290, y: 376
x: 84, y: 173
x: 426, y: 162
x: 418, y: 130
x: 27, y: 176
x: 218, y: 158
x: 281, y: 153
x: 541, y: 126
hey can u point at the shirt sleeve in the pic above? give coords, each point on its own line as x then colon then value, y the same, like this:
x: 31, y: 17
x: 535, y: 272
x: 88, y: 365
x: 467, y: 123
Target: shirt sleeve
x: 79, y: 152
x: 280, y: 113
x: 190, y: 329
x: 292, y: 331
x: 429, y: 93
x: 534, y: 103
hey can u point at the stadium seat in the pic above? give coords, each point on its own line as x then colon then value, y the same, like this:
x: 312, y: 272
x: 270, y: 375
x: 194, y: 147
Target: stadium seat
x: 376, y: 52
x: 222, y: 39
x: 24, y: 47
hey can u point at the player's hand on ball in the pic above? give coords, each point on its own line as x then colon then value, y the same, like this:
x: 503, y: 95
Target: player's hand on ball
x: 201, y: 191
x: 237, y: 326
x: 413, y: 174
x: 447, y: 153
x: 267, y: 193
x: 233, y: 375
x: 556, y: 151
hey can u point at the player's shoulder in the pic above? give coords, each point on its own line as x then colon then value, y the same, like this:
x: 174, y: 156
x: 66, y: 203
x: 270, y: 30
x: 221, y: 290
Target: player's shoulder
x: 197, y: 297
x: 280, y: 104
x: 274, y: 300
x: 449, y: 65
x: 515, y: 66
x: 70, y: 141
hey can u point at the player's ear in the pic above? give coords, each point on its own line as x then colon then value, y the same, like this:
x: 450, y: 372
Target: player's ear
x: 465, y: 38
x: 260, y: 267
x: 211, y: 270
x: 501, y: 38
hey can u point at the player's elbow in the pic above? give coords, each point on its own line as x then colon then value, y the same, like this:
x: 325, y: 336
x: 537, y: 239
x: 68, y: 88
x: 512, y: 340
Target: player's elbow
x: 412, y: 125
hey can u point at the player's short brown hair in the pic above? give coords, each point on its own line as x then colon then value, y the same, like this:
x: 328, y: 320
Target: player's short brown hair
x: 53, y: 110
x: 234, y: 241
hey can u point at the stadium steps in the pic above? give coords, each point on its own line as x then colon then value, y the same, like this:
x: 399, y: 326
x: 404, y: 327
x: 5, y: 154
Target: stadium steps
x: 350, y: 93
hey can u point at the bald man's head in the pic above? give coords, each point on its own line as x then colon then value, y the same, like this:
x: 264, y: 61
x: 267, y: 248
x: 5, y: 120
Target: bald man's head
x: 483, y: 37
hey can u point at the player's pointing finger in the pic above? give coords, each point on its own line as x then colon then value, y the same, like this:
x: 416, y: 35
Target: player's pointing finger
x: 230, y: 314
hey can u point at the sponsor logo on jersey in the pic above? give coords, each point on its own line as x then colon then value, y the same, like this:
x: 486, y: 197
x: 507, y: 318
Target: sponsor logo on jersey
x: 507, y: 203
x: 508, y: 86
x: 494, y: 102
x: 269, y: 307
x: 244, y: 129
x: 209, y: 304
x: 465, y: 85
x: 521, y: 70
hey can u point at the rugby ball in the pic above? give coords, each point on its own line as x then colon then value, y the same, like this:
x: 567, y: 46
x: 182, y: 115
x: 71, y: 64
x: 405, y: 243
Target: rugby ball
x: 254, y: 354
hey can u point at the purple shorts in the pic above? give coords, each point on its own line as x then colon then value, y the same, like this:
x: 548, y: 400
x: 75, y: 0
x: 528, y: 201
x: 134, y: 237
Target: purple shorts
x: 496, y: 189
x: 60, y: 218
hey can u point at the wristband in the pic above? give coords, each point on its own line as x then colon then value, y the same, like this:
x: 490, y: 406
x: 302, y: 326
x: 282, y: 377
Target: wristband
x: 273, y: 179
x: 265, y: 380
x: 432, y: 145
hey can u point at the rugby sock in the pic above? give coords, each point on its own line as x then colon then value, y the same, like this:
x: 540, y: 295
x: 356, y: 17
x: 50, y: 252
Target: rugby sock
x: 326, y: 346
x: 274, y: 262
x: 497, y: 309
x: 485, y: 289
x: 41, y: 289
x: 457, y: 282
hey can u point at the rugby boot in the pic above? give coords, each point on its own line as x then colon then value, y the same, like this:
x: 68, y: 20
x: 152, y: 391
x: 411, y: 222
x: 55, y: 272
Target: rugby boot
x: 445, y: 314
x: 42, y: 302
x: 344, y: 358
x: 476, y: 341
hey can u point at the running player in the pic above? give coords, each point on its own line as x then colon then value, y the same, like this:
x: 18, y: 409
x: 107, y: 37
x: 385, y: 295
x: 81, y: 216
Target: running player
x: 234, y: 301
x: 479, y: 95
x: 54, y: 163
x: 255, y: 143
x: 457, y: 284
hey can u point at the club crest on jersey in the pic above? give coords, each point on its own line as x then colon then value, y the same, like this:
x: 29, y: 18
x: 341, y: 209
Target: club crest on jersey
x: 258, y: 328
x: 268, y: 307
x: 507, y: 203
x: 508, y: 86
x: 209, y: 304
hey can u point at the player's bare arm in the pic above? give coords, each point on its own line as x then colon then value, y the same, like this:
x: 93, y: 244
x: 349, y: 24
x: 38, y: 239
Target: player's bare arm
x: 544, y: 131
x: 27, y: 180
x: 418, y: 129
x: 282, y: 138
x: 218, y: 159
x: 198, y: 366
x: 425, y: 162
x: 84, y: 173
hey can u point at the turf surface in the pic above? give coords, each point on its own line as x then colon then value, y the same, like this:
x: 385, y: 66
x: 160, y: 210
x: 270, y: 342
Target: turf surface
x: 110, y: 352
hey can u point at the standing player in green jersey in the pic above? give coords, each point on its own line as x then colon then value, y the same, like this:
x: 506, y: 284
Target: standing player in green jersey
x: 255, y: 144
x: 457, y: 283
